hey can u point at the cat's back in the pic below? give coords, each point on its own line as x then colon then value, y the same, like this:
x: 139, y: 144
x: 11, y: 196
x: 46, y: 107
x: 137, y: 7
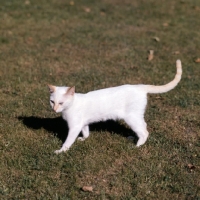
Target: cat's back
x: 110, y: 103
x: 118, y: 90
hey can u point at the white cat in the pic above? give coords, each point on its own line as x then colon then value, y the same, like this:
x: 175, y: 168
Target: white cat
x: 125, y: 102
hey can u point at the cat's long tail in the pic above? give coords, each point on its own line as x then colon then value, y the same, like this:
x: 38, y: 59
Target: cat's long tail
x: 169, y: 86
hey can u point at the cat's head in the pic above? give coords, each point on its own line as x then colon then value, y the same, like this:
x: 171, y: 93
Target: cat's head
x: 61, y: 97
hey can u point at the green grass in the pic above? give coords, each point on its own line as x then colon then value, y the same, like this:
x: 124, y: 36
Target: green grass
x: 55, y: 42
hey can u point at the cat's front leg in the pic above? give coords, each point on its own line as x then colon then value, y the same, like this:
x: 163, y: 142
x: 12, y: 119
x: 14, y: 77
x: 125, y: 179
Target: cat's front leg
x: 72, y: 135
x: 85, y: 132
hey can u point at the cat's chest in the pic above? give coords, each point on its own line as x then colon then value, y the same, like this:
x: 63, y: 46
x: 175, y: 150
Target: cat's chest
x: 69, y: 114
x: 65, y: 116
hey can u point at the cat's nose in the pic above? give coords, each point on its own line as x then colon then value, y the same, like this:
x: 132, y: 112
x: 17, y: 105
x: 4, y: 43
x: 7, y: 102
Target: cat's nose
x: 55, y: 107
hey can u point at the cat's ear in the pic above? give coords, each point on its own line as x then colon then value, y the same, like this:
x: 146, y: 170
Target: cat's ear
x: 52, y: 88
x: 70, y: 91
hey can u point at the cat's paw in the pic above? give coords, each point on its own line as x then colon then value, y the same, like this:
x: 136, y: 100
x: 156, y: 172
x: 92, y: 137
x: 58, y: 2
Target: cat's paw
x: 61, y: 150
x: 81, y: 138
x: 57, y: 151
x: 141, y: 141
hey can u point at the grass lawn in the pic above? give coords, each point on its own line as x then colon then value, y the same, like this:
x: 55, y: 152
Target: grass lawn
x: 92, y: 45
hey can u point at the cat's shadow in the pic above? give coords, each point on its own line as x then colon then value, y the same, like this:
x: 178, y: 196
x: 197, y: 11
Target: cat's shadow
x: 58, y: 127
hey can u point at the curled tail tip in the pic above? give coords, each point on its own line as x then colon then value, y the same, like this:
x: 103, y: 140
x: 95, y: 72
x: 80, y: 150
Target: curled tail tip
x: 179, y: 67
x: 178, y: 63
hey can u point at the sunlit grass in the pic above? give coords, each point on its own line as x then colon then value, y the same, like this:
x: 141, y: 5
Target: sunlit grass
x: 93, y: 45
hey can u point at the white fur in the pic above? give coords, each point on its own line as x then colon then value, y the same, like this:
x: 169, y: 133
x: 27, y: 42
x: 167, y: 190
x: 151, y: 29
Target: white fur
x: 125, y: 102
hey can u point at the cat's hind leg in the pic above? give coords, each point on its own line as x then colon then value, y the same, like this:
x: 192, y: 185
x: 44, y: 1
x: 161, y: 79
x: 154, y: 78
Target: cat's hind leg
x: 85, y: 132
x: 142, y: 135
x: 139, y: 126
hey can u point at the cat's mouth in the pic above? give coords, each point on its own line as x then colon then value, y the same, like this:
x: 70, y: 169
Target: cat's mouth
x: 56, y: 111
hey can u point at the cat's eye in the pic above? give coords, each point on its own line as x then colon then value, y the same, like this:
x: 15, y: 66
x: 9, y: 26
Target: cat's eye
x: 52, y: 101
x: 61, y: 103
